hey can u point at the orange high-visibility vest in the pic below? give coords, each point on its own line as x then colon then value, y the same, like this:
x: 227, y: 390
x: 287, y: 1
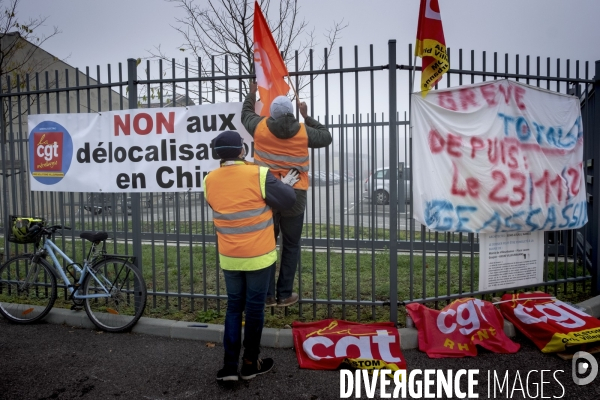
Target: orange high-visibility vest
x: 281, y: 155
x: 243, y: 221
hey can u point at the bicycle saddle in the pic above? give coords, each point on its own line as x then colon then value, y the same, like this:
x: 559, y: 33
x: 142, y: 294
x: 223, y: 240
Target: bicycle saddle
x: 94, y: 237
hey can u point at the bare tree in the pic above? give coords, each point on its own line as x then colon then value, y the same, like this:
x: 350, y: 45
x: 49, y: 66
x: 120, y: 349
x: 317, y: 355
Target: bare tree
x: 19, y: 60
x: 224, y: 29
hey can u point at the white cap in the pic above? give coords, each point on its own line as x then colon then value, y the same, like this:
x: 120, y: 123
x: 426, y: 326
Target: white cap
x: 281, y: 105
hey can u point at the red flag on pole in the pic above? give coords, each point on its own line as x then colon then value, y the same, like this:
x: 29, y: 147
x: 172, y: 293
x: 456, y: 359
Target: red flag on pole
x: 268, y: 64
x: 431, y: 45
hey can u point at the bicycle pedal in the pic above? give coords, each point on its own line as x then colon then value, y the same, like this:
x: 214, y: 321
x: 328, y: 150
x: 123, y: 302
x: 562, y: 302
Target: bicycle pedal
x: 75, y: 307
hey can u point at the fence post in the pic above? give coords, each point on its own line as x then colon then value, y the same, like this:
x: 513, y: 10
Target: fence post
x: 393, y: 129
x: 595, y: 117
x: 136, y: 217
x: 4, y: 162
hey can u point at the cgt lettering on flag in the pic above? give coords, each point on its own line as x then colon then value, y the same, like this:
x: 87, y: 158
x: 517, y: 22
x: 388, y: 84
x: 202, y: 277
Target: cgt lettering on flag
x: 329, y: 343
x: 457, y: 329
x: 551, y: 324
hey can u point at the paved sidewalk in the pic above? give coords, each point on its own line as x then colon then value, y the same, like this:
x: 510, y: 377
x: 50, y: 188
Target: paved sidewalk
x: 278, y: 338
x: 70, y: 359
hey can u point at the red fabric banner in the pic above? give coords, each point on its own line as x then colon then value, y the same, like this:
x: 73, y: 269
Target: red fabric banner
x: 431, y: 45
x: 328, y: 343
x: 268, y: 64
x: 459, y: 327
x: 551, y: 324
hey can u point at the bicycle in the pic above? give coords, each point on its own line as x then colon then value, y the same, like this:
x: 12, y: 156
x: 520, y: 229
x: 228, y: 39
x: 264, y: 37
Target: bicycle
x: 109, y: 286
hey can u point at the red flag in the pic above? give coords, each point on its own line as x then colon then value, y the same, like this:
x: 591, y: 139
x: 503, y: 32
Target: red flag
x: 551, y: 324
x: 459, y: 327
x: 268, y: 64
x: 431, y: 45
x: 328, y: 343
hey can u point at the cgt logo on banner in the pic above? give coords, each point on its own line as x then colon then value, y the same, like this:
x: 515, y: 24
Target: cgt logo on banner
x: 459, y: 327
x: 551, y: 324
x: 50, y: 152
x: 328, y: 343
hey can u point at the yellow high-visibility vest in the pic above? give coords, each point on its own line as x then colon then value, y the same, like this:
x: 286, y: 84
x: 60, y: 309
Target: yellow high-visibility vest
x: 242, y: 218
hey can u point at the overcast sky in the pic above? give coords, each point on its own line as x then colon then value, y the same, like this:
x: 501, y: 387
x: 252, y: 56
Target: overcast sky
x: 111, y: 31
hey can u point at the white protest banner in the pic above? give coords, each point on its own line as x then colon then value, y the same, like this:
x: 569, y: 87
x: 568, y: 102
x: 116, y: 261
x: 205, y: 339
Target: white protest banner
x: 509, y: 259
x: 498, y: 156
x: 142, y: 150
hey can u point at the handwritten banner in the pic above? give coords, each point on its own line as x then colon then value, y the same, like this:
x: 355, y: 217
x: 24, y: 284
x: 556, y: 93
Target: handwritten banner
x: 142, y: 150
x: 498, y: 156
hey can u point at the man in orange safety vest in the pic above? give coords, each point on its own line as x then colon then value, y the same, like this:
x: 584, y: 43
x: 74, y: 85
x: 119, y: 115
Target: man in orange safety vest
x: 281, y: 143
x: 241, y: 195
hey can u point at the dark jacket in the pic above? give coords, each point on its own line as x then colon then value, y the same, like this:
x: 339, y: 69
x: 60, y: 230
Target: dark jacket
x: 286, y: 127
x: 278, y: 195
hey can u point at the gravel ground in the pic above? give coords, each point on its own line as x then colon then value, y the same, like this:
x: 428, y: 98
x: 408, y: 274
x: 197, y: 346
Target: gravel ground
x: 48, y: 361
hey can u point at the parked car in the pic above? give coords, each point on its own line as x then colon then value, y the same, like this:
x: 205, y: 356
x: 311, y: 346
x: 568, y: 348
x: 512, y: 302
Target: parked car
x: 321, y: 178
x: 348, y: 176
x: 98, y: 203
x: 377, y: 186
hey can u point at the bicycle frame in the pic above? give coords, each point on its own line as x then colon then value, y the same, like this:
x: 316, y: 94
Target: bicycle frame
x: 50, y: 247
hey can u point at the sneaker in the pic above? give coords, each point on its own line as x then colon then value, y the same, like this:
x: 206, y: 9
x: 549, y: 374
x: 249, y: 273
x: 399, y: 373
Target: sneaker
x: 293, y: 299
x: 227, y: 373
x: 258, y: 367
x: 271, y: 302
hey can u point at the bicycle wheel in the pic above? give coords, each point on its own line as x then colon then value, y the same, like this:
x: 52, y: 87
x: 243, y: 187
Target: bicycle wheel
x: 125, y: 291
x: 27, y: 289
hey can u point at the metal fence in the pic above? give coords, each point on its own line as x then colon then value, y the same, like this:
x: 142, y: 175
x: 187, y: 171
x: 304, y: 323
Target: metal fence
x: 363, y: 256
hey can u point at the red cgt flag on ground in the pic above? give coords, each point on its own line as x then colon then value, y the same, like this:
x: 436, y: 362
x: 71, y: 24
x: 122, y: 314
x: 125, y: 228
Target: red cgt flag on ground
x: 328, y: 343
x: 551, y: 324
x: 459, y: 328
x: 431, y: 45
x: 268, y: 64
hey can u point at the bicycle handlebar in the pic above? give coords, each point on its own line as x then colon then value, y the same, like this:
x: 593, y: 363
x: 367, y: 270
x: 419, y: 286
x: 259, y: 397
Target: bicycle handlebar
x: 50, y: 230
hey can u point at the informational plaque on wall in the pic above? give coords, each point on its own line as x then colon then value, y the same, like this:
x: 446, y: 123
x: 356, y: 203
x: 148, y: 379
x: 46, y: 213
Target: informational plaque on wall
x: 510, y: 259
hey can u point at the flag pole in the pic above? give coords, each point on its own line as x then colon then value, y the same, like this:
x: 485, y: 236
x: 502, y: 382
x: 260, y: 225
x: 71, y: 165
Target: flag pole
x: 293, y: 88
x: 412, y: 82
x: 413, y: 73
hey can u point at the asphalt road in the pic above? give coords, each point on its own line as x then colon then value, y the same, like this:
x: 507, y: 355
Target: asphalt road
x: 47, y: 361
